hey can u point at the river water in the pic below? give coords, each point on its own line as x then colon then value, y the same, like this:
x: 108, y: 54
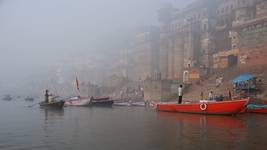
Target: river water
x: 125, y: 128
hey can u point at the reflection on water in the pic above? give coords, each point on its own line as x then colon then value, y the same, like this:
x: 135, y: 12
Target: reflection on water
x: 121, y: 128
x: 203, y: 132
x: 204, y: 121
x: 52, y: 114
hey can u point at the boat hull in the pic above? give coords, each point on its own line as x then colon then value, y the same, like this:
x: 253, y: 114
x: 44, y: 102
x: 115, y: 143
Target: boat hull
x: 58, y: 105
x: 209, y: 108
x: 122, y: 104
x: 106, y: 103
x: 84, y: 101
x: 139, y: 104
x: 252, y: 108
x: 258, y: 110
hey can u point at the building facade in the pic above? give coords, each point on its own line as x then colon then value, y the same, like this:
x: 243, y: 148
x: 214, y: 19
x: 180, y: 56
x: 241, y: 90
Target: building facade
x: 209, y: 35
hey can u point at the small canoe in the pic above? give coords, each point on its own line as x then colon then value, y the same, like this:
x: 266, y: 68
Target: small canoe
x: 78, y: 101
x: 253, y: 108
x: 212, y: 108
x: 56, y: 104
x: 7, y: 98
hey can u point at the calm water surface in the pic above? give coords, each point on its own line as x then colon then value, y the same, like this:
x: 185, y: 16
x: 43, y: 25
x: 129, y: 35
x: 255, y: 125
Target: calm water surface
x: 124, y: 128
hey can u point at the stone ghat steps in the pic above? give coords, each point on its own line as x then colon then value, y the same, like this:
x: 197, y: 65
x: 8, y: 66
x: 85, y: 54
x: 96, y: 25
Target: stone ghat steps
x: 193, y: 92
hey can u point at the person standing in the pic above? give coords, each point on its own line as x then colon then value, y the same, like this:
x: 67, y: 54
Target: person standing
x: 229, y: 94
x: 201, y: 95
x: 180, y: 94
x: 211, y: 95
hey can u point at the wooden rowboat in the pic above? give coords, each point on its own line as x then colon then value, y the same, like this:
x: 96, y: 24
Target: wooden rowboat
x: 56, y: 104
x: 104, y: 101
x: 212, y: 108
x: 253, y: 108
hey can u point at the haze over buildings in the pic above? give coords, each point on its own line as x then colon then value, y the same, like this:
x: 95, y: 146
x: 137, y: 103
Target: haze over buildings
x: 36, y: 34
x: 102, y: 41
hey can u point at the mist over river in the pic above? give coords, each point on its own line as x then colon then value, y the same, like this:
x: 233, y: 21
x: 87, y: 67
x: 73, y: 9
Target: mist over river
x: 124, y: 128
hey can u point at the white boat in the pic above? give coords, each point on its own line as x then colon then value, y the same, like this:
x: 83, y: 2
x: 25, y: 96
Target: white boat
x: 122, y: 104
x: 78, y: 101
x: 140, y: 104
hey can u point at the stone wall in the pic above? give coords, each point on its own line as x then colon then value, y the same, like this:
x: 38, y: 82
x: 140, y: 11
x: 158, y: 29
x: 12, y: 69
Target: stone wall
x: 253, y: 33
x: 261, y: 8
x: 157, y: 90
x: 253, y: 56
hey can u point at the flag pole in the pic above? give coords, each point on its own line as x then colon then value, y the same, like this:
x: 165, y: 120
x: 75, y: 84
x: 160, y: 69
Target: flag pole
x: 77, y: 85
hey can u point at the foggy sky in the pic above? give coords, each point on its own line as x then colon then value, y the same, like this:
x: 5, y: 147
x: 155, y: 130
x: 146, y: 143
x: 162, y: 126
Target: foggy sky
x: 35, y: 34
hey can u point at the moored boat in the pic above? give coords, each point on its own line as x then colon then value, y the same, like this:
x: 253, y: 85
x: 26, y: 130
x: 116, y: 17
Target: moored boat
x: 122, y: 104
x: 102, y: 101
x: 138, y: 104
x: 209, y: 107
x: 253, y: 108
x: 55, y: 104
x: 78, y: 101
x: 7, y: 98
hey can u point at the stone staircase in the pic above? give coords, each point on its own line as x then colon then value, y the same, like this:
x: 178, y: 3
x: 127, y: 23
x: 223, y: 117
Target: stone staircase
x: 194, y: 91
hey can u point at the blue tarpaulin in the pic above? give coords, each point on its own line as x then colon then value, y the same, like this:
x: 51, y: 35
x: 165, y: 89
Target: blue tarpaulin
x: 243, y: 77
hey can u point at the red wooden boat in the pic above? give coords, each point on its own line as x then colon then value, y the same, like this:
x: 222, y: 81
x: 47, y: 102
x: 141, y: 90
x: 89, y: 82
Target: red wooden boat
x: 258, y: 110
x: 210, y: 107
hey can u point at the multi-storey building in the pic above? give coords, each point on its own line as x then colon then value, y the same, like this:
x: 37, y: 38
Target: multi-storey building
x: 198, y: 38
x: 142, y: 56
x: 193, y: 41
x: 187, y: 40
